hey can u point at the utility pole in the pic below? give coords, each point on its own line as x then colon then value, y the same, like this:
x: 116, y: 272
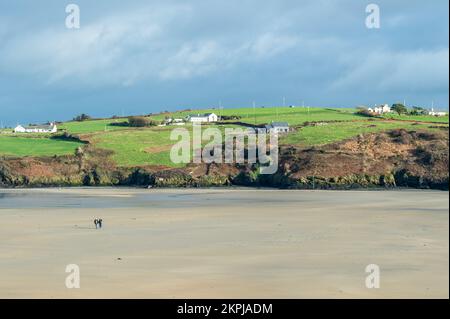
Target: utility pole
x: 254, y: 111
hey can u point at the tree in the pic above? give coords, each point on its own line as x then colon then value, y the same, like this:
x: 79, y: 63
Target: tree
x: 140, y: 121
x: 399, y: 108
x: 82, y: 117
x: 417, y: 110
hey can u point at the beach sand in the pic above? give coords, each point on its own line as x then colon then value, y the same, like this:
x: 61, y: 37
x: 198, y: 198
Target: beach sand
x: 223, y: 243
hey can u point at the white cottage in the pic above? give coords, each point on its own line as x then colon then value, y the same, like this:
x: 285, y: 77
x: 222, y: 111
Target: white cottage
x: 278, y: 127
x: 203, y: 118
x: 382, y: 109
x: 436, y: 113
x: 52, y: 128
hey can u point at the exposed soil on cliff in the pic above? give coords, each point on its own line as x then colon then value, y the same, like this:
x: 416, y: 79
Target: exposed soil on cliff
x: 393, y: 158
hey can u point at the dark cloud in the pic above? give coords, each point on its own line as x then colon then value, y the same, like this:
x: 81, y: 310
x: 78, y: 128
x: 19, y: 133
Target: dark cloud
x: 146, y: 55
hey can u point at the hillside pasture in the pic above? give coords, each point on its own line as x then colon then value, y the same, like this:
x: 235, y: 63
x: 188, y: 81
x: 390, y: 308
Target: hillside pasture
x: 151, y: 145
x: 92, y: 126
x: 260, y: 115
x: 36, y: 146
x: 332, y: 132
x: 421, y: 118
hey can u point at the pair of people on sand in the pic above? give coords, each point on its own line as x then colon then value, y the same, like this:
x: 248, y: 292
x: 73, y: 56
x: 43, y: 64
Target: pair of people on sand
x: 98, y: 222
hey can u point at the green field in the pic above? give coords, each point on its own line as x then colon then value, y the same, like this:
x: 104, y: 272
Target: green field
x: 294, y: 116
x: 137, y: 147
x: 151, y: 146
x: 325, y: 134
x: 91, y: 126
x: 423, y: 118
x: 32, y: 146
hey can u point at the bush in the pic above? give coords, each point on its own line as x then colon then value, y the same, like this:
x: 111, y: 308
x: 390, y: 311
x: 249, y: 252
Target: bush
x: 140, y: 121
x: 230, y: 117
x: 365, y: 112
x: 417, y: 110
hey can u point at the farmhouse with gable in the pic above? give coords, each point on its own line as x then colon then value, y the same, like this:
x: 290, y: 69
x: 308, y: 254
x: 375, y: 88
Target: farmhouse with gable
x: 204, y: 118
x: 51, y: 128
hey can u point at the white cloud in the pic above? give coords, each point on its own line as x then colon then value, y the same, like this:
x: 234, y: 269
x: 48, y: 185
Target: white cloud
x: 270, y: 44
x: 125, y: 48
x: 115, y: 49
x: 396, y: 21
x: 193, y: 60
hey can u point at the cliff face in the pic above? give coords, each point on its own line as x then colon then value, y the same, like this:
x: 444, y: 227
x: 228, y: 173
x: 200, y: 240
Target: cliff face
x: 394, y: 158
x: 389, y: 159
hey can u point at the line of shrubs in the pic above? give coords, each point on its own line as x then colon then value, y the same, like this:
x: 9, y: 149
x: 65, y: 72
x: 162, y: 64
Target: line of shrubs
x: 136, y: 121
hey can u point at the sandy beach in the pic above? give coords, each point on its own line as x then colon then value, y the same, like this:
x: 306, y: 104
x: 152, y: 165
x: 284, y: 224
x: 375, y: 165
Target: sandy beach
x: 224, y: 243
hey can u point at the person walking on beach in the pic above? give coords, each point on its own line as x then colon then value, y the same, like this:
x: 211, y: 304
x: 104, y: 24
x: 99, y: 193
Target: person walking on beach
x: 100, y: 221
x: 96, y: 223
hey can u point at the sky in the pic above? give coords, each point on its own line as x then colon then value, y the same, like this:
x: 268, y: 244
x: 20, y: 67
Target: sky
x: 140, y: 57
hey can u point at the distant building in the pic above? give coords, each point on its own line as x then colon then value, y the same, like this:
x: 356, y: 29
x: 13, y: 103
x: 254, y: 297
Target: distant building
x: 278, y: 127
x: 436, y: 113
x: 203, y: 118
x: 382, y: 109
x: 178, y: 122
x: 51, y: 128
x: 174, y: 121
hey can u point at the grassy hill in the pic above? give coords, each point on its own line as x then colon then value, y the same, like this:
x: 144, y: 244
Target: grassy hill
x: 35, y: 146
x: 151, y: 146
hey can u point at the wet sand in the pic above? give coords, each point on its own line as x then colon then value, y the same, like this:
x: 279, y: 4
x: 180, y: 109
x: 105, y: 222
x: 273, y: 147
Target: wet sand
x: 223, y: 243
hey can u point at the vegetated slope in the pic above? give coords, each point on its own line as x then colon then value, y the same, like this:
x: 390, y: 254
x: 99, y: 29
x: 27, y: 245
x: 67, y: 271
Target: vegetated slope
x: 151, y: 145
x: 36, y: 146
x: 393, y: 158
x: 385, y: 159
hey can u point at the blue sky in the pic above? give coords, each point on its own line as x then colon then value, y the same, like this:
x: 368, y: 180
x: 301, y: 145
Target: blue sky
x: 140, y: 57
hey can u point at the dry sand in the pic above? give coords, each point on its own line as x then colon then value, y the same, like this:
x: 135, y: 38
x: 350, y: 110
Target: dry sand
x: 239, y: 243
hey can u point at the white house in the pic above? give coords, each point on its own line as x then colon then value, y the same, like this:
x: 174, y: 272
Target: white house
x: 19, y: 129
x: 436, y: 113
x: 36, y: 129
x: 385, y: 108
x: 278, y: 127
x: 203, y: 118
